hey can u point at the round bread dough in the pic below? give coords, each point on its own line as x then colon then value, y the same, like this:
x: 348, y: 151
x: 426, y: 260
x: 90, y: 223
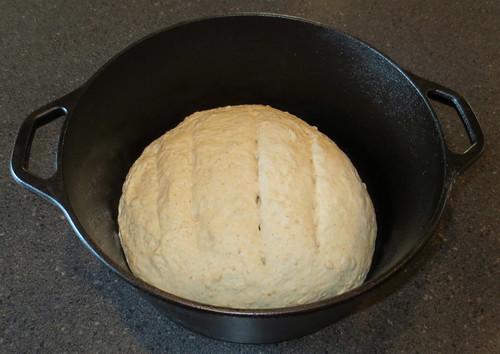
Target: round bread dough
x: 247, y: 207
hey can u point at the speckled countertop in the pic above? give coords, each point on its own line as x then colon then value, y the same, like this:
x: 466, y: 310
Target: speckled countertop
x: 55, y: 296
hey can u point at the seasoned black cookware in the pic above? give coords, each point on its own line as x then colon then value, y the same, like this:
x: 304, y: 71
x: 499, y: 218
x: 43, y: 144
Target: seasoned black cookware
x: 377, y: 113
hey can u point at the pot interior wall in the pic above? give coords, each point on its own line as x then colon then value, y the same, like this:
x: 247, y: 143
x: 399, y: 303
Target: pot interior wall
x: 352, y: 93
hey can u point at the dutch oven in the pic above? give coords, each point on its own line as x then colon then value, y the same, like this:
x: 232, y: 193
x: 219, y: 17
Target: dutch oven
x: 378, y: 113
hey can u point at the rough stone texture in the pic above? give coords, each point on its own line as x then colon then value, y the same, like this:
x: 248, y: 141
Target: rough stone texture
x: 55, y: 296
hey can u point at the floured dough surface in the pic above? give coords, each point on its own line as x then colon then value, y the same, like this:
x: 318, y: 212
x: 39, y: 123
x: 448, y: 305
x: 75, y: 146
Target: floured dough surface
x: 247, y: 207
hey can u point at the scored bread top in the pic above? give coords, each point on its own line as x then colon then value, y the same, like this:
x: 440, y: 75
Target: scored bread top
x: 247, y: 207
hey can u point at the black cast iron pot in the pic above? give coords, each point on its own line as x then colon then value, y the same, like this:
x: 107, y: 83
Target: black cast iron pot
x: 379, y: 114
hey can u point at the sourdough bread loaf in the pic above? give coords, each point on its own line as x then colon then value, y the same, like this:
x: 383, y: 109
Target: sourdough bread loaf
x: 247, y: 207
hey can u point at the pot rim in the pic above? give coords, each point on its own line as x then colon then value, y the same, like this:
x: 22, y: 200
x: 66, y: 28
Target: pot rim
x: 366, y: 287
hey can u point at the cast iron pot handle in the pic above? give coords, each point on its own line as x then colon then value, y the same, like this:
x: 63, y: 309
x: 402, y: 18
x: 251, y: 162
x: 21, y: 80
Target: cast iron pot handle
x: 50, y: 188
x: 457, y: 162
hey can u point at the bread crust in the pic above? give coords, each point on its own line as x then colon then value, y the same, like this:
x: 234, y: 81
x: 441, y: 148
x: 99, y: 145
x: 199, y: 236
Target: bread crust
x: 247, y: 207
